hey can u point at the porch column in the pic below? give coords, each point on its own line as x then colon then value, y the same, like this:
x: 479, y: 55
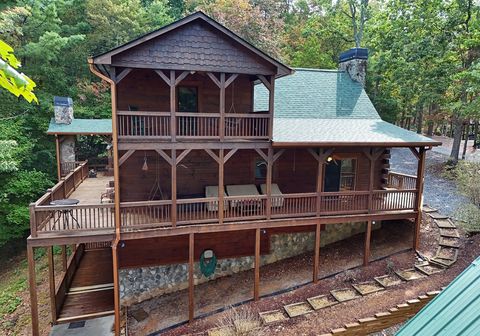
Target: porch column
x: 320, y: 157
x: 222, y: 106
x: 32, y: 281
x: 372, y: 154
x: 191, y: 284
x: 368, y: 235
x: 316, y: 256
x: 418, y: 199
x: 271, y: 106
x: 173, y: 107
x: 51, y: 278
x: 256, y: 285
x: 221, y: 189
x: 116, y: 288
x: 269, y: 182
x: 174, y: 186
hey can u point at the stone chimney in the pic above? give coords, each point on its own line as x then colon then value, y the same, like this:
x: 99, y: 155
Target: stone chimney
x: 63, y: 107
x: 354, y: 62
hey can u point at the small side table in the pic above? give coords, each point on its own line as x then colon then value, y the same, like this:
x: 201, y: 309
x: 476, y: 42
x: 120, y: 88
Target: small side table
x: 65, y: 215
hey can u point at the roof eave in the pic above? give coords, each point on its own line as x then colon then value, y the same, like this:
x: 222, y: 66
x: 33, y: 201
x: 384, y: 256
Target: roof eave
x: 356, y: 144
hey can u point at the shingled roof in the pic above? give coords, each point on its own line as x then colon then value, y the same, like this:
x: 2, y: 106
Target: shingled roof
x: 82, y: 126
x: 326, y: 107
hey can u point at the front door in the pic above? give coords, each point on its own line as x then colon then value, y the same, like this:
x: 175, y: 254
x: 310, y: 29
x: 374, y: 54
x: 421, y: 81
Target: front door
x: 331, y: 182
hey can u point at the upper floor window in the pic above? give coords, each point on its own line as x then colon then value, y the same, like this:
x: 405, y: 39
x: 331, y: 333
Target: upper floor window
x: 187, y: 99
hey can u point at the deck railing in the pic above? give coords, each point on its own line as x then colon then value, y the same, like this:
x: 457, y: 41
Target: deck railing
x: 194, y: 211
x: 157, y: 125
x: 401, y: 181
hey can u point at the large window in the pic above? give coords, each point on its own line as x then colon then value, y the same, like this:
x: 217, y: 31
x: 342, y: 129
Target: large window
x: 347, y: 174
x: 187, y: 99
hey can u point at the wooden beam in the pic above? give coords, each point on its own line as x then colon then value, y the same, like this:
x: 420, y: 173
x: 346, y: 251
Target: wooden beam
x: 418, y: 200
x: 51, y: 280
x: 316, y: 256
x: 214, y: 79
x: 262, y: 154
x: 150, y: 145
x: 256, y: 285
x: 366, y: 250
x: 191, y: 284
x: 57, y: 149
x: 32, y: 281
x: 278, y: 154
x: 221, y: 182
x: 125, y: 156
x: 271, y: 106
x: 269, y: 160
x: 174, y: 188
x: 265, y: 82
x: 181, y: 77
x: 415, y: 152
x: 122, y: 75
x: 213, y: 155
x: 116, y: 289
x: 183, y: 155
x: 164, y: 77
x: 173, y: 107
x: 230, y: 154
x: 165, y: 156
x: 230, y: 80
x: 222, y: 106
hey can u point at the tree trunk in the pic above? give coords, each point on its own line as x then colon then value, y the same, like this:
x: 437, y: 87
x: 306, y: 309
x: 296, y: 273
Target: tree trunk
x: 475, y: 134
x: 457, y: 128
x: 467, y: 131
x: 419, y: 119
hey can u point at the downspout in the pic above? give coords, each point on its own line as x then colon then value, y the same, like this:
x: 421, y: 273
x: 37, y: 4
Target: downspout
x: 116, y: 174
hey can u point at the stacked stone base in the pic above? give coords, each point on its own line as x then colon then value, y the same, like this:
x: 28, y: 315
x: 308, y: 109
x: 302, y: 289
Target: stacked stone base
x: 139, y: 284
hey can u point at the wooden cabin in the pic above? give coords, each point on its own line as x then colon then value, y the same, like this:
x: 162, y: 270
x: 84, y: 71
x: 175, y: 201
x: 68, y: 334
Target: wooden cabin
x: 216, y: 146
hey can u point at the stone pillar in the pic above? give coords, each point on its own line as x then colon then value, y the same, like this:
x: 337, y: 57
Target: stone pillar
x: 67, y: 154
x: 354, y: 62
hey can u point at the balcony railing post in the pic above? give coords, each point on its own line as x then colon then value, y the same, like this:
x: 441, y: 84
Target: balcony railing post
x: 33, y: 220
x: 222, y: 106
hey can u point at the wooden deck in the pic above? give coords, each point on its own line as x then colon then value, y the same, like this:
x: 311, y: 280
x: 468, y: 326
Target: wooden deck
x: 91, y: 290
x: 91, y: 189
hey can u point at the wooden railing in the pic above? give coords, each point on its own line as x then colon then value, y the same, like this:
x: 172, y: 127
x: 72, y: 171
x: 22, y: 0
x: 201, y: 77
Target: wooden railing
x: 157, y: 125
x: 401, y: 181
x: 195, y: 211
x: 68, y: 167
x: 139, y: 215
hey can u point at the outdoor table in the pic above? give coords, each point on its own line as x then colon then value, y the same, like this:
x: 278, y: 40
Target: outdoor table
x: 65, y: 214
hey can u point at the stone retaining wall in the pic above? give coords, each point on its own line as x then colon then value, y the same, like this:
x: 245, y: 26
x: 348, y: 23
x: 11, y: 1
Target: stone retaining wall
x: 139, y: 284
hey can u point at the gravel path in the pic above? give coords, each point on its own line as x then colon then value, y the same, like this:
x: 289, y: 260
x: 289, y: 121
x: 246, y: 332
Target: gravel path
x: 439, y: 192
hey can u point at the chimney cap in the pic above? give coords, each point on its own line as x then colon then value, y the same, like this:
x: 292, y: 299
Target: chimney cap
x: 62, y: 101
x: 354, y: 53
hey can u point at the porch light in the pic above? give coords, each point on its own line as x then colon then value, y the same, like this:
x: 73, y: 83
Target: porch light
x: 329, y: 159
x: 145, y: 165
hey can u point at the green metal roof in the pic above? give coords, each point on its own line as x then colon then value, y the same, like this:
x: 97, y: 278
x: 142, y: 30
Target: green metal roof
x: 455, y: 311
x: 81, y: 126
x: 315, y: 106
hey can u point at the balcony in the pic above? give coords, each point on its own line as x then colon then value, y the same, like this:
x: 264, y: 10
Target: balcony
x: 144, y: 125
x: 94, y: 218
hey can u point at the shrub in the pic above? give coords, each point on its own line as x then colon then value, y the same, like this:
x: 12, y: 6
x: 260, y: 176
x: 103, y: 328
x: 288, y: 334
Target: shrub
x: 239, y: 322
x: 469, y: 215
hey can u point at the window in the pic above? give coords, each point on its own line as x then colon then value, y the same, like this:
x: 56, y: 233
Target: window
x: 187, y: 99
x: 347, y: 174
x: 260, y: 169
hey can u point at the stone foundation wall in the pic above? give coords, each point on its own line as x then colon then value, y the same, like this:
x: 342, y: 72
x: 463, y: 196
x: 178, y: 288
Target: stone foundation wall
x: 141, y: 284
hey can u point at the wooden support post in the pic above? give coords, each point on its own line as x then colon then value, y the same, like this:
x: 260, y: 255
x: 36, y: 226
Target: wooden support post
x: 418, y: 199
x: 174, y: 187
x: 370, y: 183
x: 271, y: 106
x: 191, y: 298
x: 173, y: 106
x: 57, y: 149
x: 32, y: 281
x: 320, y: 178
x: 368, y: 235
x: 64, y: 258
x: 51, y: 278
x: 221, y: 189
x: 316, y: 257
x: 222, y: 106
x: 116, y: 289
x: 33, y: 220
x: 256, y: 285
x: 269, y: 183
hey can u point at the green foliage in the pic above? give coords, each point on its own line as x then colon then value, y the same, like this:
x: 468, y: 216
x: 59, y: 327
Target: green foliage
x: 469, y: 216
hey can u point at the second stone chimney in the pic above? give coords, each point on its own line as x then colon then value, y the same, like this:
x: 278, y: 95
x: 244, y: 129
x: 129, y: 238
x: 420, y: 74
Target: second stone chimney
x: 63, y: 107
x: 354, y: 62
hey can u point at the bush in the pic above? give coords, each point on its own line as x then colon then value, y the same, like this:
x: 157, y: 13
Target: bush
x: 469, y: 216
x: 239, y: 322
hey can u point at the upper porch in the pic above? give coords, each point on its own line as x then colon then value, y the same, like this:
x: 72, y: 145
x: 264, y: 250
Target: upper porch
x: 93, y: 218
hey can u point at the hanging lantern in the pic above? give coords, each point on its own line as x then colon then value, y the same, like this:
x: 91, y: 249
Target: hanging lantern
x: 145, y: 164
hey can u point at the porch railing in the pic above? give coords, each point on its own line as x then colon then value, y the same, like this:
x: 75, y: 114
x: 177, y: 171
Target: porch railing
x: 157, y: 125
x: 401, y: 181
x: 195, y: 211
